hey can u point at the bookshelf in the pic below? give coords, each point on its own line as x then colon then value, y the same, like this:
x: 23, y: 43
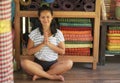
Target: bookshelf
x: 103, y: 38
x: 64, y: 14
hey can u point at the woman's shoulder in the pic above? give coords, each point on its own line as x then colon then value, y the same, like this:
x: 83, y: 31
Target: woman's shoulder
x: 59, y: 31
x: 35, y: 31
x: 59, y: 35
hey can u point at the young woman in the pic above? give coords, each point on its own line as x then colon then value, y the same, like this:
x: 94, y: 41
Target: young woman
x: 46, y: 42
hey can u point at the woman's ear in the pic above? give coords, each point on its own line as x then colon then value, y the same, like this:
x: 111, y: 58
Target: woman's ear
x: 39, y: 18
x: 52, y: 17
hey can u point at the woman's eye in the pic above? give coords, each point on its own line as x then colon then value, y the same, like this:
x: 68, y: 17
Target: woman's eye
x: 48, y: 16
x: 43, y: 17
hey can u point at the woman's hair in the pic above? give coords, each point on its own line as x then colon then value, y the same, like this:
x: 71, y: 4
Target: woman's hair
x: 53, y: 26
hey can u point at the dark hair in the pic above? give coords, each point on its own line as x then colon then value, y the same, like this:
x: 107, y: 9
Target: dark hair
x: 53, y: 25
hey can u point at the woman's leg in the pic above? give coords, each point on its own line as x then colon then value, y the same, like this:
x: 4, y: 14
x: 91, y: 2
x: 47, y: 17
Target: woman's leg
x: 60, y: 67
x: 35, y: 69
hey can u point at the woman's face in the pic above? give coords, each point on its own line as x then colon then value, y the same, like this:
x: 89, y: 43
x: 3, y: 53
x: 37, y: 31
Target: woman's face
x: 45, y: 18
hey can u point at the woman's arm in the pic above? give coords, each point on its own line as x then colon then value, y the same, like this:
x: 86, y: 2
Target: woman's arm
x: 31, y: 49
x: 60, y: 49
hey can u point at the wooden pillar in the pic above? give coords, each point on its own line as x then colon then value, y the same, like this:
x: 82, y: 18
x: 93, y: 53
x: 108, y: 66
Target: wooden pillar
x: 17, y: 33
x: 96, y: 34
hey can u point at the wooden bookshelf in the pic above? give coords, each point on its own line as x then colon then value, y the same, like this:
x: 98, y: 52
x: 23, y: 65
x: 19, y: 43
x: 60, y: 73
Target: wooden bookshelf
x: 61, y: 14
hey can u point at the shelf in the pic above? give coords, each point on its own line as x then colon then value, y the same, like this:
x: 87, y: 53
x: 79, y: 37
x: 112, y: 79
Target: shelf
x: 75, y: 58
x: 78, y: 58
x: 64, y: 14
x: 110, y: 22
x: 61, y: 14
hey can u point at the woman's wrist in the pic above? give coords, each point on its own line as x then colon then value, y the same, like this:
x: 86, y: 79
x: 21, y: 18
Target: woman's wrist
x: 42, y: 44
x: 48, y: 44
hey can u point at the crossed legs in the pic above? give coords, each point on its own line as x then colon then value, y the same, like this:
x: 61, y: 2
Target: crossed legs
x: 54, y: 73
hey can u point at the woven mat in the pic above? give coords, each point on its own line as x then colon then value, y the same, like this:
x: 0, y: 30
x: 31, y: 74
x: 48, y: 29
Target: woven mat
x: 117, y: 48
x: 78, y: 36
x: 114, y: 31
x: 76, y: 20
x: 113, y: 52
x: 78, y: 45
x: 78, y: 54
x: 114, y: 44
x: 113, y: 41
x: 113, y: 38
x: 114, y: 28
x: 67, y: 28
x: 76, y: 24
x: 79, y: 39
x: 76, y: 32
x: 78, y: 42
x: 113, y: 35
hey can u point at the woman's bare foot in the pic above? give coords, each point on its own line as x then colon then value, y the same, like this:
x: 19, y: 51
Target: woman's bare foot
x: 35, y: 77
x: 54, y: 77
x: 58, y: 77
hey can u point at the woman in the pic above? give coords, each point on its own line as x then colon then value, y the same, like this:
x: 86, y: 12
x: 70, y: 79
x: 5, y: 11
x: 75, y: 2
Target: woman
x: 46, y: 42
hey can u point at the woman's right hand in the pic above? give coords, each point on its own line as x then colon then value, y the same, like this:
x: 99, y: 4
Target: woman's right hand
x: 45, y: 38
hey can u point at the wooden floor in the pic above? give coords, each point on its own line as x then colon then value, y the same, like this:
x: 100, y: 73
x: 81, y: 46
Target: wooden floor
x: 82, y: 73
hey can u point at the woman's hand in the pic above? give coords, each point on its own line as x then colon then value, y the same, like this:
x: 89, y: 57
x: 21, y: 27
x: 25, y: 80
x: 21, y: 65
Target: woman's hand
x: 46, y: 40
x: 31, y: 49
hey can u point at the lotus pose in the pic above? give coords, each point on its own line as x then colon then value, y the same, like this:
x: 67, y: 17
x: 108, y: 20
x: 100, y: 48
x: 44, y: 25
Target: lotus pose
x: 46, y: 42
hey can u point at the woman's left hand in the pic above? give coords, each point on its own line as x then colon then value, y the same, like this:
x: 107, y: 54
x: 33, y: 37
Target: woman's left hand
x: 46, y: 40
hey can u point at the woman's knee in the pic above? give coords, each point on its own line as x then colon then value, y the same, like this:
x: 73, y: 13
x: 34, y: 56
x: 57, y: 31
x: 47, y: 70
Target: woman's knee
x: 69, y: 63
x: 24, y: 62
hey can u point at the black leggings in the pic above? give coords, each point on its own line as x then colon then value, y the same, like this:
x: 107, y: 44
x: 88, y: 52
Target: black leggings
x: 45, y: 64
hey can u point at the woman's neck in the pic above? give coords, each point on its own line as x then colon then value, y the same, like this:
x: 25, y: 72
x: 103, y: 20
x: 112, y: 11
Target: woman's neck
x: 46, y: 28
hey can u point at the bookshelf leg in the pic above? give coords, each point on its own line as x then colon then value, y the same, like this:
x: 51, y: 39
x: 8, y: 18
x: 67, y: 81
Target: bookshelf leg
x: 94, y: 65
